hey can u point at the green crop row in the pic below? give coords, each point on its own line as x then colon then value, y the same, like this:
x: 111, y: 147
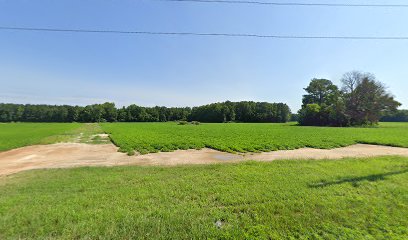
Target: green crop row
x: 234, y: 137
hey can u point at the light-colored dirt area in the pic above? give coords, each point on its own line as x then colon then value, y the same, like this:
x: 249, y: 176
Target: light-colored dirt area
x: 64, y: 155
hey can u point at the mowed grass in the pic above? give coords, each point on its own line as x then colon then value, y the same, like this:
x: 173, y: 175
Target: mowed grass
x: 246, y: 137
x: 14, y: 135
x: 344, y: 199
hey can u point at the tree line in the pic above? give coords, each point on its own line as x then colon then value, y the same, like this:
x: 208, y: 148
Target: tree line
x: 108, y: 112
x: 245, y: 111
x: 362, y: 100
x: 398, y: 116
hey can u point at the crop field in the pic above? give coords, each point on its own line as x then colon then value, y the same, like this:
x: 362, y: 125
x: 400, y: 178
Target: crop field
x: 347, y: 199
x: 316, y: 199
x: 14, y: 135
x: 246, y: 137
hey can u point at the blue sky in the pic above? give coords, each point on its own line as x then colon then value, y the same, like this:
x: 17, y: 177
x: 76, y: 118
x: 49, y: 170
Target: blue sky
x: 69, y: 68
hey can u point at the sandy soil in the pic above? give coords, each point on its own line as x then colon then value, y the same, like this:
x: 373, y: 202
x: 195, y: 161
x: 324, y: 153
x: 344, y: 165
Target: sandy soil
x: 65, y: 155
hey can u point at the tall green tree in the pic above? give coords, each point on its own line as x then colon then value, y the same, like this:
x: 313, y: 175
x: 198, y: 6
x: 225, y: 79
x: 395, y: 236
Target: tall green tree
x: 110, y: 113
x: 322, y: 105
x: 321, y: 91
x: 362, y: 101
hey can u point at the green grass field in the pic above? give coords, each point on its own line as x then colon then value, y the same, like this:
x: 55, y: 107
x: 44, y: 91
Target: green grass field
x: 153, y: 137
x: 15, y: 135
x: 345, y: 199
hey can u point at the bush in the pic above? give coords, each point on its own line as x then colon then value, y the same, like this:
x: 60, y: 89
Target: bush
x: 182, y: 123
x: 310, y: 115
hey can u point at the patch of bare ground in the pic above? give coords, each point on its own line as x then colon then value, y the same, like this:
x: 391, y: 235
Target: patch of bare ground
x: 66, y: 155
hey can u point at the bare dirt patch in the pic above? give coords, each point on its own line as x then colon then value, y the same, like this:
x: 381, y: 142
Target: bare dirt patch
x: 64, y: 155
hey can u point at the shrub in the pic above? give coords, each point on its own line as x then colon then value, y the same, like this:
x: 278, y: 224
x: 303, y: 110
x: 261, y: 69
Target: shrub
x: 309, y: 115
x: 182, y: 123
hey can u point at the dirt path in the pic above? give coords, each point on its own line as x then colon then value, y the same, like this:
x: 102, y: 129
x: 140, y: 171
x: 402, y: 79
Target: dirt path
x: 64, y: 155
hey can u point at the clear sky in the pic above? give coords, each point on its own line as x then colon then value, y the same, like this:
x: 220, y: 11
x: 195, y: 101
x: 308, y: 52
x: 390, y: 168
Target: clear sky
x: 85, y: 68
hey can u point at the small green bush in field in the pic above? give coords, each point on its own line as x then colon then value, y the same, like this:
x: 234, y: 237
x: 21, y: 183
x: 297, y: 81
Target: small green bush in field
x: 182, y: 122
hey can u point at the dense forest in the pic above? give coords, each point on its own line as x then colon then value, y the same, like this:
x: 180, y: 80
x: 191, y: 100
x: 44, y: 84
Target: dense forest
x: 107, y: 112
x: 256, y: 112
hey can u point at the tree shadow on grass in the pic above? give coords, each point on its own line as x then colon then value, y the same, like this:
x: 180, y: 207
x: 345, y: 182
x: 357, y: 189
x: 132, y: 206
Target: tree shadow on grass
x: 356, y: 180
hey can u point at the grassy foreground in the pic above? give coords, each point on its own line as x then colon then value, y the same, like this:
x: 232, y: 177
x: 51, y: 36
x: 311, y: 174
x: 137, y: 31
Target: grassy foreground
x: 154, y: 137
x: 345, y: 199
x: 14, y: 135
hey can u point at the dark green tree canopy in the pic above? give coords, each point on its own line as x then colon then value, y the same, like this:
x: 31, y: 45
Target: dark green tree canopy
x: 245, y: 111
x: 320, y: 91
x: 362, y: 101
x: 398, y: 116
x: 107, y: 112
x: 321, y: 105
